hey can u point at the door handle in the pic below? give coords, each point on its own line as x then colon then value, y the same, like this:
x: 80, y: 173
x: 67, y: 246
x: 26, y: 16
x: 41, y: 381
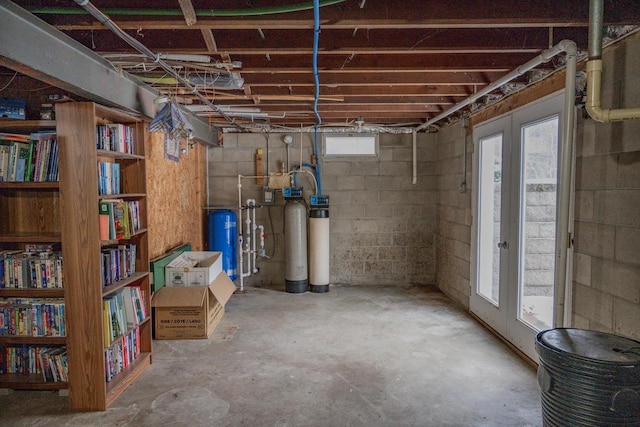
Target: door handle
x: 503, y: 245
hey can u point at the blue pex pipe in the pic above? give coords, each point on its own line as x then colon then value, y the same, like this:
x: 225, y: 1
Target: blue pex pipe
x: 315, y: 148
x: 316, y: 38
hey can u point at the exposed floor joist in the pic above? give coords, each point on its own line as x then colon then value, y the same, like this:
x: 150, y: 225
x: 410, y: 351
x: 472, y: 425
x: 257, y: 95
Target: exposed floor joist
x: 372, y: 59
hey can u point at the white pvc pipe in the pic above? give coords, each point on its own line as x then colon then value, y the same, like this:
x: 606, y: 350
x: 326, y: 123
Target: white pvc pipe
x: 241, y: 251
x: 254, y: 227
x: 247, y: 231
x: 594, y: 72
x: 240, y: 257
x: 463, y: 184
x: 414, y: 136
x: 540, y: 59
x: 563, y: 218
x: 247, y: 238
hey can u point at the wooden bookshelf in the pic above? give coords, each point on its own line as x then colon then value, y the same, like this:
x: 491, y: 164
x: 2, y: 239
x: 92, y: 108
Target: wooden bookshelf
x: 29, y: 213
x: 81, y: 244
x: 66, y: 213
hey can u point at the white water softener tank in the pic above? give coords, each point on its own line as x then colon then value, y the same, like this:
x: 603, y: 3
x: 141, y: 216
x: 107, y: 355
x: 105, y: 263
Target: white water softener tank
x: 295, y: 246
x: 319, y: 249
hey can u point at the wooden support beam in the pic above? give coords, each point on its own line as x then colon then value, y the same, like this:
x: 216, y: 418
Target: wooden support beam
x: 209, y: 40
x: 188, y: 11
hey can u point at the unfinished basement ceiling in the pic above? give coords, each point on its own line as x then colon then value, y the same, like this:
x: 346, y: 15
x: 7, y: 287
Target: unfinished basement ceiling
x: 380, y: 62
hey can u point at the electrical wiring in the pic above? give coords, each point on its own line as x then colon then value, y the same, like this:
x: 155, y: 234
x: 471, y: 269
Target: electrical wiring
x: 11, y: 80
x: 107, y: 22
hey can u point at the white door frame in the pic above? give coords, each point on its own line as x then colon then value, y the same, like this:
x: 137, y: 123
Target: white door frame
x: 504, y: 319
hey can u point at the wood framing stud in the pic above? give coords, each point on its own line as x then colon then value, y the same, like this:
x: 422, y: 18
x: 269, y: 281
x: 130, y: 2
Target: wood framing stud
x: 209, y: 40
x: 188, y: 12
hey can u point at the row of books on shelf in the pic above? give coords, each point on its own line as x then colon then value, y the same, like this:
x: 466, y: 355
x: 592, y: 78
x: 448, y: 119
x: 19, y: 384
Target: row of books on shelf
x: 50, y: 362
x: 118, y: 263
x: 28, y: 158
x: 121, y: 354
x: 108, y: 178
x: 119, y: 219
x: 115, y: 137
x: 32, y: 317
x: 122, y: 311
x: 31, y: 269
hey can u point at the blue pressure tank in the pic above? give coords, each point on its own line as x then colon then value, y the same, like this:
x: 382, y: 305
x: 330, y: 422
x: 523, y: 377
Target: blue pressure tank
x: 223, y: 237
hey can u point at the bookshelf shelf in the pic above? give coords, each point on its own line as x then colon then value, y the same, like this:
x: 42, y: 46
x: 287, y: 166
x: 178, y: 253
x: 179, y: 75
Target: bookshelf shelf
x: 124, y: 196
x: 26, y: 126
x: 120, y: 382
x: 30, y: 237
x: 6, y: 339
x: 31, y: 293
x: 41, y: 185
x: 29, y: 382
x: 134, y: 236
x: 107, y: 290
x: 118, y: 155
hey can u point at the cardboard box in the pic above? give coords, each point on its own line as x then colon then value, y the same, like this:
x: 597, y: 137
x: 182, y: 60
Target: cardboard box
x: 193, y: 269
x: 190, y: 312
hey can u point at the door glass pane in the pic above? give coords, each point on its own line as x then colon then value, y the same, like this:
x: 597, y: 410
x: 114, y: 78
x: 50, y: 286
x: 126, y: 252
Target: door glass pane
x: 489, y: 201
x: 538, y: 222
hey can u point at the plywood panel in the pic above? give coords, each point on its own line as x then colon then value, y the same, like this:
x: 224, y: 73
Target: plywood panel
x: 176, y: 193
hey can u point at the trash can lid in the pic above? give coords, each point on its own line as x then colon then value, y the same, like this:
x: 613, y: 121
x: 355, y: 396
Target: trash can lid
x: 594, y: 345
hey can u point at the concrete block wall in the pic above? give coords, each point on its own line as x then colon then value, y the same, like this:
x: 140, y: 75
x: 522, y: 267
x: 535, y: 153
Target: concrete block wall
x: 382, y: 225
x: 453, y: 232
x: 539, y: 247
x: 606, y: 280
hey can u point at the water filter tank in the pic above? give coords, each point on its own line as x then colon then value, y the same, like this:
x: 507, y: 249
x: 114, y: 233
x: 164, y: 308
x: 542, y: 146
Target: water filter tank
x: 295, y: 247
x: 223, y: 237
x: 319, y: 250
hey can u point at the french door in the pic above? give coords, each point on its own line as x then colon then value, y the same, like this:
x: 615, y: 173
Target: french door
x: 513, y: 243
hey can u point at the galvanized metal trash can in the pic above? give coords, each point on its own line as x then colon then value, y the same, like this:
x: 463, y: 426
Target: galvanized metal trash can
x: 588, y: 378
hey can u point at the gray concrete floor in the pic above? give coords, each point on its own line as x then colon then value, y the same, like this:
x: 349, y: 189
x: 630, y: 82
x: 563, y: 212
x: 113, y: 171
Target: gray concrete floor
x: 356, y: 356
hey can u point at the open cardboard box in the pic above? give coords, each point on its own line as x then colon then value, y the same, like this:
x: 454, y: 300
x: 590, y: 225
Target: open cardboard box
x: 193, y: 268
x: 190, y: 312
